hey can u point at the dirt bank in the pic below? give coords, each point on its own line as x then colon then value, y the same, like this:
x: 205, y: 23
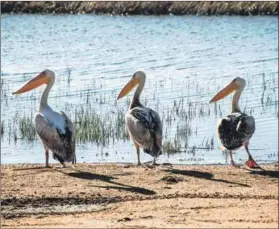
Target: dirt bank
x: 144, y: 8
x: 112, y: 195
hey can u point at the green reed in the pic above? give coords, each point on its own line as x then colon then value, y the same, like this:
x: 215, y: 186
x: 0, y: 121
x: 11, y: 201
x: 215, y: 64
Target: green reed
x: 103, y: 129
x: 26, y: 127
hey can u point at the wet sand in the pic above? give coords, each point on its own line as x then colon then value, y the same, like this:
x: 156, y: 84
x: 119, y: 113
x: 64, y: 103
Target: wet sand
x: 124, y: 196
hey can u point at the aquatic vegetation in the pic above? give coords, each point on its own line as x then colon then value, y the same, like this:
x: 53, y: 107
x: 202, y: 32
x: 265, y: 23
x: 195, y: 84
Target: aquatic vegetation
x: 69, y: 75
x: 207, y: 144
x: 101, y: 129
x: 171, y: 147
x: 2, y: 127
x: 27, y: 128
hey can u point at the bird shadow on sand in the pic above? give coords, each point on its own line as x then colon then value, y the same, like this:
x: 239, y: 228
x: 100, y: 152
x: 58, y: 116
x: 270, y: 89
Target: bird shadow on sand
x: 91, y: 176
x: 203, y: 175
x: 109, y: 179
x: 32, y: 168
x: 267, y: 173
x: 129, y: 188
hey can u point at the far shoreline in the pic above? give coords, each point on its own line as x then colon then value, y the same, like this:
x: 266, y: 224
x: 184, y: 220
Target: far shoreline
x: 201, y: 8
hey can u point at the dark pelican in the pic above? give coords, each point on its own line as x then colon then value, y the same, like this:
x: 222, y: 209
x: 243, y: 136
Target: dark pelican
x: 55, y: 129
x: 143, y: 124
x: 236, y: 129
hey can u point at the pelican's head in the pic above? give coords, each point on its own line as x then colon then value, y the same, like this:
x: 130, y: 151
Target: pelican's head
x: 138, y: 77
x: 43, y: 78
x: 237, y: 83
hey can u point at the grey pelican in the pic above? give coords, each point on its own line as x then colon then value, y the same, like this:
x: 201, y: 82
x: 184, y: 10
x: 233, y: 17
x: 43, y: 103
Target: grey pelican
x: 236, y: 129
x: 55, y: 129
x: 143, y: 124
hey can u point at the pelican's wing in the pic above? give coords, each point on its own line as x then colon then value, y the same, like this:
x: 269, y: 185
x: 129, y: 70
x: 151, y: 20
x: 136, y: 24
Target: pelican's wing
x: 68, y: 121
x: 246, y: 125
x: 145, y: 127
x: 235, y: 129
x: 61, y: 144
x: 70, y: 126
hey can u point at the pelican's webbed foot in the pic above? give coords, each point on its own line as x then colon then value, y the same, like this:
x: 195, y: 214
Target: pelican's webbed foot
x: 252, y: 164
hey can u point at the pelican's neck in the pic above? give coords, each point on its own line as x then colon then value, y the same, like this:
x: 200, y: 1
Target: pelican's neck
x: 236, y: 96
x: 44, y: 97
x: 136, y: 101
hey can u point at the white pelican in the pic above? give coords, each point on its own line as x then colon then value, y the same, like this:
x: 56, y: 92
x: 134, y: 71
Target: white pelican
x: 236, y: 129
x: 55, y: 129
x: 143, y: 124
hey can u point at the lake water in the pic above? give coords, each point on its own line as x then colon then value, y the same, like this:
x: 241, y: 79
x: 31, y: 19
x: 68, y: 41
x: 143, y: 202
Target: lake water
x: 187, y: 60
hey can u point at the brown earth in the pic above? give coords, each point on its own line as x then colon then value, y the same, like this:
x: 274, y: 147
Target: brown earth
x: 124, y: 196
x: 143, y: 7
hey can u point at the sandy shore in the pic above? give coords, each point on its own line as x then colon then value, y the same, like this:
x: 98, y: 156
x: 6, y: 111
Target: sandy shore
x: 144, y: 8
x: 124, y: 196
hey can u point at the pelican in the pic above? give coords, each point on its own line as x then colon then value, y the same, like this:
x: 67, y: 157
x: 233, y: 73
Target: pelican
x: 236, y: 129
x: 54, y: 129
x: 143, y: 124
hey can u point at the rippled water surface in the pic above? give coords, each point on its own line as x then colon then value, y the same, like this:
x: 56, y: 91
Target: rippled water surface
x: 187, y: 61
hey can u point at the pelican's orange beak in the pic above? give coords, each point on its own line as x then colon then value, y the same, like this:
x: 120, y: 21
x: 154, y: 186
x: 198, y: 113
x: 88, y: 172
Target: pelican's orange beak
x: 224, y: 92
x: 128, y: 87
x: 33, y: 83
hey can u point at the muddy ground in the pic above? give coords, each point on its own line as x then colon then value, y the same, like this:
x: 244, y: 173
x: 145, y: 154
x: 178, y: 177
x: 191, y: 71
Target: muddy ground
x: 124, y: 196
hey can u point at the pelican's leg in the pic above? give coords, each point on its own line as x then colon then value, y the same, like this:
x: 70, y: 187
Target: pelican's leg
x: 74, y: 161
x: 47, y: 157
x: 138, y: 153
x: 154, y: 161
x: 232, y: 161
x: 251, y: 162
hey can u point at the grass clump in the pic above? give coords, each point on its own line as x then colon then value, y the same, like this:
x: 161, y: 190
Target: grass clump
x: 171, y: 147
x: 26, y: 128
x: 101, y: 129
